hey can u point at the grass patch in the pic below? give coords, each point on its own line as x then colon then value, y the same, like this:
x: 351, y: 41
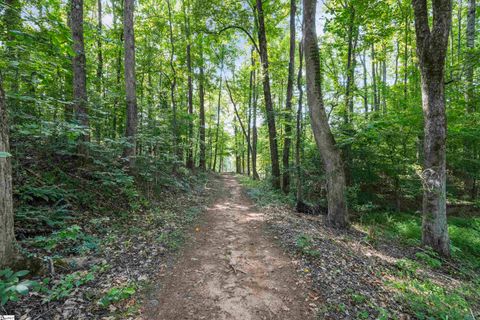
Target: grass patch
x: 407, y: 228
x: 262, y: 193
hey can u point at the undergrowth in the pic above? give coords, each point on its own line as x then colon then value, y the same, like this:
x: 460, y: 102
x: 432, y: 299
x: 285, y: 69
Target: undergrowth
x: 409, y: 278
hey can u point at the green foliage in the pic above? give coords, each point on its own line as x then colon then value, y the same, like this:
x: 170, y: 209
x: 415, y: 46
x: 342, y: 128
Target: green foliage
x: 262, y: 193
x: 171, y: 239
x: 64, y: 287
x: 71, y: 239
x: 430, y: 258
x: 431, y: 301
x: 464, y: 234
x: 117, y: 294
x: 11, y: 287
x: 306, y: 246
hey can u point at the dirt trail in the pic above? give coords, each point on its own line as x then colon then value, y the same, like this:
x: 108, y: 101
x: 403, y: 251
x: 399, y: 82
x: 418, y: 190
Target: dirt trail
x: 231, y: 270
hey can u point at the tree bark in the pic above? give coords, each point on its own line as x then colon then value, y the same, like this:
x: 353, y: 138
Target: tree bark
x: 130, y: 81
x: 218, y: 117
x: 189, y: 162
x: 288, y: 104
x: 272, y: 131
x: 11, y: 19
x: 79, y: 73
x: 201, y: 89
x: 7, y: 235
x: 298, y: 145
x: 374, y: 80
x: 99, y: 51
x: 118, y: 68
x: 173, y: 85
x: 431, y: 51
x: 335, y: 174
x: 254, y: 120
x: 470, y: 56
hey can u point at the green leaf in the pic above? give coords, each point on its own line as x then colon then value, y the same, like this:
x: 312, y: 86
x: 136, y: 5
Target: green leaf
x: 4, y: 154
x: 21, y: 288
x: 21, y: 273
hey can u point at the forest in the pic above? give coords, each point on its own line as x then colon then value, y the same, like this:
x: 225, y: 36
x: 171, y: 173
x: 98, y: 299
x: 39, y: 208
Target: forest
x: 240, y: 159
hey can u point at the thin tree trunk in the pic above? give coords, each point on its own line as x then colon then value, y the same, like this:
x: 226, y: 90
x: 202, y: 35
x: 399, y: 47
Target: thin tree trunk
x: 118, y: 66
x: 11, y: 19
x: 365, y: 84
x: 351, y: 64
x: 337, y: 207
x: 405, y: 58
x: 249, y: 120
x: 470, y: 56
x: 471, y: 149
x: 374, y: 80
x: 237, y: 114
x: 7, y: 235
x: 288, y: 104
x: 189, y: 162
x: 432, y: 44
x: 298, y: 145
x: 201, y: 89
x: 218, y: 117
x: 176, y: 135
x: 79, y: 73
x: 130, y: 82
x: 254, y: 121
x: 99, y: 51
x: 272, y: 131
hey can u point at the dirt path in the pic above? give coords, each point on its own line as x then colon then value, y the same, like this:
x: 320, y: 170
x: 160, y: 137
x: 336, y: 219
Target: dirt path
x: 231, y: 270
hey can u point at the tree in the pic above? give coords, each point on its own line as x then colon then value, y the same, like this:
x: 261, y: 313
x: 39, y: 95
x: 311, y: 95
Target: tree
x: 79, y: 72
x: 7, y: 235
x: 298, y: 144
x: 470, y: 55
x: 432, y: 45
x: 288, y: 104
x: 335, y: 174
x: 201, y: 89
x: 130, y: 81
x: 272, y: 131
x: 189, y: 161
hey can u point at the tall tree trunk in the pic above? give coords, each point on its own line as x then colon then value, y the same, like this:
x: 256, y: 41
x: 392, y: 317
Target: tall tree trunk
x: 384, y: 82
x: 272, y: 131
x: 374, y: 80
x: 471, y: 149
x: 405, y: 57
x: 288, y: 104
x: 298, y: 144
x: 254, y: 120
x: 99, y: 51
x: 351, y: 64
x: 79, y: 73
x: 249, y: 121
x: 470, y: 56
x: 201, y: 89
x: 189, y: 162
x: 130, y: 82
x: 365, y: 84
x: 218, y: 117
x: 337, y: 207
x: 7, y: 235
x: 11, y: 18
x: 431, y: 51
x: 173, y: 85
x: 118, y: 69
